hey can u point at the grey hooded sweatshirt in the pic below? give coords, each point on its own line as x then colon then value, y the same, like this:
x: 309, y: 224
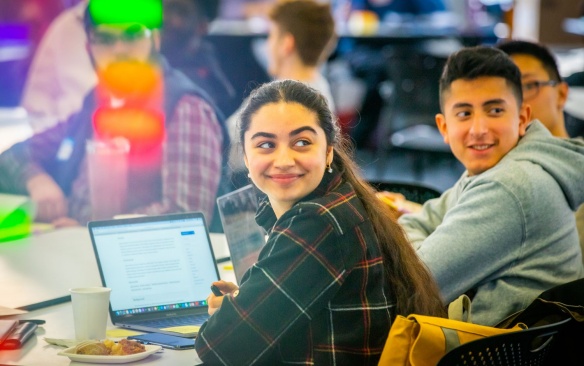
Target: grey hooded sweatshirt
x: 508, y: 233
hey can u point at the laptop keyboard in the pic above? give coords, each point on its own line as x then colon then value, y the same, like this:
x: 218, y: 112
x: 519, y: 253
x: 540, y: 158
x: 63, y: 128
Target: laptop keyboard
x: 176, y: 322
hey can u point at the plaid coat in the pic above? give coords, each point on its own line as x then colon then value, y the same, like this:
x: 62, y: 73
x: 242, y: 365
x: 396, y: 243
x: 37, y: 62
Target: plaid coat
x: 317, y: 294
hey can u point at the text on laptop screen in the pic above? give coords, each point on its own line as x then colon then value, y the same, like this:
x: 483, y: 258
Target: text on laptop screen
x: 156, y: 266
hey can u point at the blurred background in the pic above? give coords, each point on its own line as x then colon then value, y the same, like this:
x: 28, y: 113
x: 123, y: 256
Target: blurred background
x: 383, y: 70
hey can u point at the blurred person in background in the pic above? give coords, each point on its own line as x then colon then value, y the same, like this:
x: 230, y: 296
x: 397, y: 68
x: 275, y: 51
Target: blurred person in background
x: 301, y: 37
x: 184, y: 166
x: 546, y: 93
x: 302, y: 33
x: 543, y: 87
x: 186, y: 22
x: 61, y: 73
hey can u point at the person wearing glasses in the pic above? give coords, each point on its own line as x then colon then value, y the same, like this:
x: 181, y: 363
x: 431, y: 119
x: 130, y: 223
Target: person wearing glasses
x: 177, y: 170
x: 545, y: 91
x: 543, y: 87
x: 505, y: 232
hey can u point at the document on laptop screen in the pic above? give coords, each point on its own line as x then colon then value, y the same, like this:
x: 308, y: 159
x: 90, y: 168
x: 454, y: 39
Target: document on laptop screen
x: 150, y: 264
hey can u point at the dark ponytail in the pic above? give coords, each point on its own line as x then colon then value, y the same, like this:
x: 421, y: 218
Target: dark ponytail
x: 414, y: 287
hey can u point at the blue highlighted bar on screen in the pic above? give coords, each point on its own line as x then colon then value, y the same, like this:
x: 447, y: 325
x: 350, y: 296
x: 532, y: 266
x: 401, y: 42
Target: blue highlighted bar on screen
x: 191, y: 232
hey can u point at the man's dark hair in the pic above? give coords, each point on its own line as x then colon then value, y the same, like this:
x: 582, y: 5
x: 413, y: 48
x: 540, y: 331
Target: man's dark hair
x: 534, y: 50
x: 476, y: 62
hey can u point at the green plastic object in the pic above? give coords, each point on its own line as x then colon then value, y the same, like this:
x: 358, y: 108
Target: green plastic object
x: 16, y: 213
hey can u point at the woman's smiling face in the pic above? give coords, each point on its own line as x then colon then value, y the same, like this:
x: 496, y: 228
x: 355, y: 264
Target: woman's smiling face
x: 286, y: 153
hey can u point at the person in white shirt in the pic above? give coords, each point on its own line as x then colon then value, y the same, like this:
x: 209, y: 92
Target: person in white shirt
x: 301, y: 36
x: 61, y: 73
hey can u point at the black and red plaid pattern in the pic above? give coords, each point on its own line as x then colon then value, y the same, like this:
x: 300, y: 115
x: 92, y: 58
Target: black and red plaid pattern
x: 317, y: 294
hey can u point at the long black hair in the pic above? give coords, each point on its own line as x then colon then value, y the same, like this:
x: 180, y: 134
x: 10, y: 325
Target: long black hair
x: 414, y: 286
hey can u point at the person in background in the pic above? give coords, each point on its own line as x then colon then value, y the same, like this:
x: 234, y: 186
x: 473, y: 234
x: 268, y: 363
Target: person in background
x: 335, y: 270
x: 61, y: 74
x: 301, y: 36
x: 545, y: 91
x: 543, y: 87
x: 551, y: 93
x: 506, y: 231
x: 51, y: 167
x: 186, y: 22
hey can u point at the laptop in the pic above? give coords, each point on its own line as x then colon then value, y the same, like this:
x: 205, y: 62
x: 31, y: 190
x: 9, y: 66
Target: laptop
x: 244, y: 236
x: 159, y: 269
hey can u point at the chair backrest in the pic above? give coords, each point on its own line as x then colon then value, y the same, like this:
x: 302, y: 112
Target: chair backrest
x: 415, y: 74
x: 559, y: 302
x: 412, y: 191
x: 527, y: 347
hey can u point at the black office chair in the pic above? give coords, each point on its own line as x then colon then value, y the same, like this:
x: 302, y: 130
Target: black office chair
x: 551, y: 306
x: 412, y: 191
x: 526, y: 347
x: 408, y: 119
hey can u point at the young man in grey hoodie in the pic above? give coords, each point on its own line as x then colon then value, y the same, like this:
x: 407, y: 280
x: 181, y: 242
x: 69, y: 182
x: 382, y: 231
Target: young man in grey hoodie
x: 506, y: 231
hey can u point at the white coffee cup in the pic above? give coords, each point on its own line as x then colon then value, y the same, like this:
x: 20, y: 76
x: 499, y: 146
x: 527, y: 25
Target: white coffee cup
x: 90, y: 311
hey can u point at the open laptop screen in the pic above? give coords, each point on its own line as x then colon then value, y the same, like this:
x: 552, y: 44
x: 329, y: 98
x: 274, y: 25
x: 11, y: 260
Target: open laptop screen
x: 155, y: 264
x: 245, y: 237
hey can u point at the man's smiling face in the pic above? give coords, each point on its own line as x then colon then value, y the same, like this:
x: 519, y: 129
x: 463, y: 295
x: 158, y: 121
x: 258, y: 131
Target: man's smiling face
x: 481, y: 122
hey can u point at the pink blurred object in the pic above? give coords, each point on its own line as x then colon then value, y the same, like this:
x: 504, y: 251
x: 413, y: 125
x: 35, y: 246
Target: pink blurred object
x: 107, y: 161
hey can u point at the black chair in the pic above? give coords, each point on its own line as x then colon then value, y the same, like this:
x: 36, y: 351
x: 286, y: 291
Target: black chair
x: 526, y: 347
x: 551, y: 306
x: 412, y: 191
x: 407, y: 122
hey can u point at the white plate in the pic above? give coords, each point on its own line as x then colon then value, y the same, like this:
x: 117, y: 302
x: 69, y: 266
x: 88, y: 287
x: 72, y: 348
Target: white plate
x: 70, y: 352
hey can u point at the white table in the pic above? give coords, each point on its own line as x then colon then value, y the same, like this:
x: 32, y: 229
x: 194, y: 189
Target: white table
x: 39, y: 270
x: 59, y: 324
